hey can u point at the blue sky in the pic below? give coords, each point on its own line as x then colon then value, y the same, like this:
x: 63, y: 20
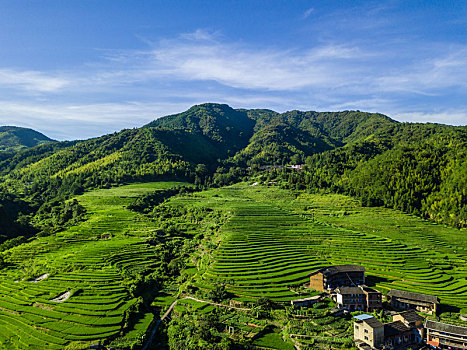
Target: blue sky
x: 79, y: 69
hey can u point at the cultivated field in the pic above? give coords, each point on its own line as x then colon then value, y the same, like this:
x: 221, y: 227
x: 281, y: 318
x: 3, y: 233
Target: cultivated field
x: 275, y: 238
x: 68, y: 290
x: 73, y: 288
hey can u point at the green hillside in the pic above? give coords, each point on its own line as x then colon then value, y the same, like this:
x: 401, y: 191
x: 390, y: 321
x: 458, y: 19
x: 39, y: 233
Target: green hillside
x: 417, y: 168
x: 13, y: 138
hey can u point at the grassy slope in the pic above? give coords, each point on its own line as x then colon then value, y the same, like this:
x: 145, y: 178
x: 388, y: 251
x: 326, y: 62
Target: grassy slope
x: 13, y: 139
x: 79, y: 260
x: 274, y: 239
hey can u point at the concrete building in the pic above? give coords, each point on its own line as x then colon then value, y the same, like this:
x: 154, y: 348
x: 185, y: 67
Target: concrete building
x: 445, y: 336
x: 414, y: 321
x: 397, y: 335
x: 403, y: 300
x: 358, y: 298
x: 368, y: 332
x: 332, y: 277
x: 405, y: 331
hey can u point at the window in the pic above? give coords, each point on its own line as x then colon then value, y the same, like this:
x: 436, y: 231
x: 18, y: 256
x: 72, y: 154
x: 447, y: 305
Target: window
x: 366, y: 338
x: 366, y: 330
x: 356, y: 327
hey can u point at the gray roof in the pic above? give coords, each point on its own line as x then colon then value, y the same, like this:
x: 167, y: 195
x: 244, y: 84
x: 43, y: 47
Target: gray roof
x: 395, y: 328
x: 413, y: 296
x: 373, y: 322
x: 369, y: 290
x: 331, y: 270
x: 446, y: 328
x: 349, y: 290
x: 411, y: 316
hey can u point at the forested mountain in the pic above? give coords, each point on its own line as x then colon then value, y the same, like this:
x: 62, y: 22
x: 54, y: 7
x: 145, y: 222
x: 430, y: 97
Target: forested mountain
x: 13, y: 138
x: 418, y: 168
x: 226, y: 128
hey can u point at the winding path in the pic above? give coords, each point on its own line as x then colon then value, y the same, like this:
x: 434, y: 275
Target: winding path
x: 169, y: 310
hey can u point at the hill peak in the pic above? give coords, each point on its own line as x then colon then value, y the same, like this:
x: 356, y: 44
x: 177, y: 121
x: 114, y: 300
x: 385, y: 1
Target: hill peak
x: 15, y: 138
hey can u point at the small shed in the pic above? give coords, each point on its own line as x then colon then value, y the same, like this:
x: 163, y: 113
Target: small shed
x: 305, y: 301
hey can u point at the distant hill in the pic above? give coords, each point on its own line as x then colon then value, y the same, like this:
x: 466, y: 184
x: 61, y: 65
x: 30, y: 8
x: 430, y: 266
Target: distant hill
x: 418, y: 168
x: 13, y: 138
x: 228, y: 129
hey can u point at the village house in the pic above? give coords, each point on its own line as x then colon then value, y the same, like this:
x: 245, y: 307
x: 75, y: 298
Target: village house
x: 332, y: 277
x: 360, y: 298
x: 414, y: 321
x: 368, y: 332
x: 403, y: 300
x: 397, y: 335
x: 445, y: 336
x: 406, y: 330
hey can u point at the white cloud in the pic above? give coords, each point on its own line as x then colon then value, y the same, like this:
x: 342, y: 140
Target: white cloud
x: 451, y: 117
x: 252, y: 68
x: 427, y: 76
x: 203, y: 67
x: 69, y: 122
x: 31, y: 80
x: 307, y: 13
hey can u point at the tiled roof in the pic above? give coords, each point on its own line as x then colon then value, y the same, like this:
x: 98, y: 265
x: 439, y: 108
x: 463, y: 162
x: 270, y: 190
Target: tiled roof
x: 395, y: 328
x: 331, y: 270
x: 413, y: 296
x: 349, y: 290
x: 446, y: 328
x: 411, y: 316
x: 369, y: 290
x: 373, y: 322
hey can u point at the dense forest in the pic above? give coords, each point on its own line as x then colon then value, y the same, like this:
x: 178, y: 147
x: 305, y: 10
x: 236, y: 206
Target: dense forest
x: 417, y: 168
x: 13, y: 139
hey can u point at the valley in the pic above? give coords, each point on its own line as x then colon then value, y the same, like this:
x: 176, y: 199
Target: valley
x: 249, y: 246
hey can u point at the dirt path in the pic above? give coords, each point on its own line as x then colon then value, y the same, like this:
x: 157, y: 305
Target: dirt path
x: 169, y: 310
x: 216, y: 304
x: 62, y: 297
x: 156, y: 326
x: 40, y: 278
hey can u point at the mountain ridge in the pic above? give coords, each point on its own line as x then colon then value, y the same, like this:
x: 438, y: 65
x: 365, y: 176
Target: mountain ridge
x: 15, y: 138
x: 214, y: 144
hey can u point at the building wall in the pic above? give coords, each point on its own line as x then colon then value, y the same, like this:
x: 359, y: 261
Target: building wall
x: 317, y: 282
x: 374, y: 301
x: 371, y: 336
x: 422, y: 307
x: 352, y: 302
x: 447, y: 340
x: 341, y: 279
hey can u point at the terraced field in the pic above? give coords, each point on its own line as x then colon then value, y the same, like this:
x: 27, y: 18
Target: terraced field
x: 272, y: 242
x: 67, y: 290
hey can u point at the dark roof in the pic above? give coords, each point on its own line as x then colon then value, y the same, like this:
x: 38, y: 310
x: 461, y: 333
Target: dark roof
x: 411, y: 316
x: 331, y: 270
x: 413, y: 296
x: 446, y: 328
x: 395, y: 328
x: 349, y: 290
x: 369, y: 290
x: 373, y: 322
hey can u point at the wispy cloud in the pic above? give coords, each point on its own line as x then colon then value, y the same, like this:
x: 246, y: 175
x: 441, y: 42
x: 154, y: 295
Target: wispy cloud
x: 73, y: 121
x: 31, y: 80
x: 452, y: 117
x: 129, y: 88
x: 307, y: 13
x: 426, y: 76
x: 235, y: 65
